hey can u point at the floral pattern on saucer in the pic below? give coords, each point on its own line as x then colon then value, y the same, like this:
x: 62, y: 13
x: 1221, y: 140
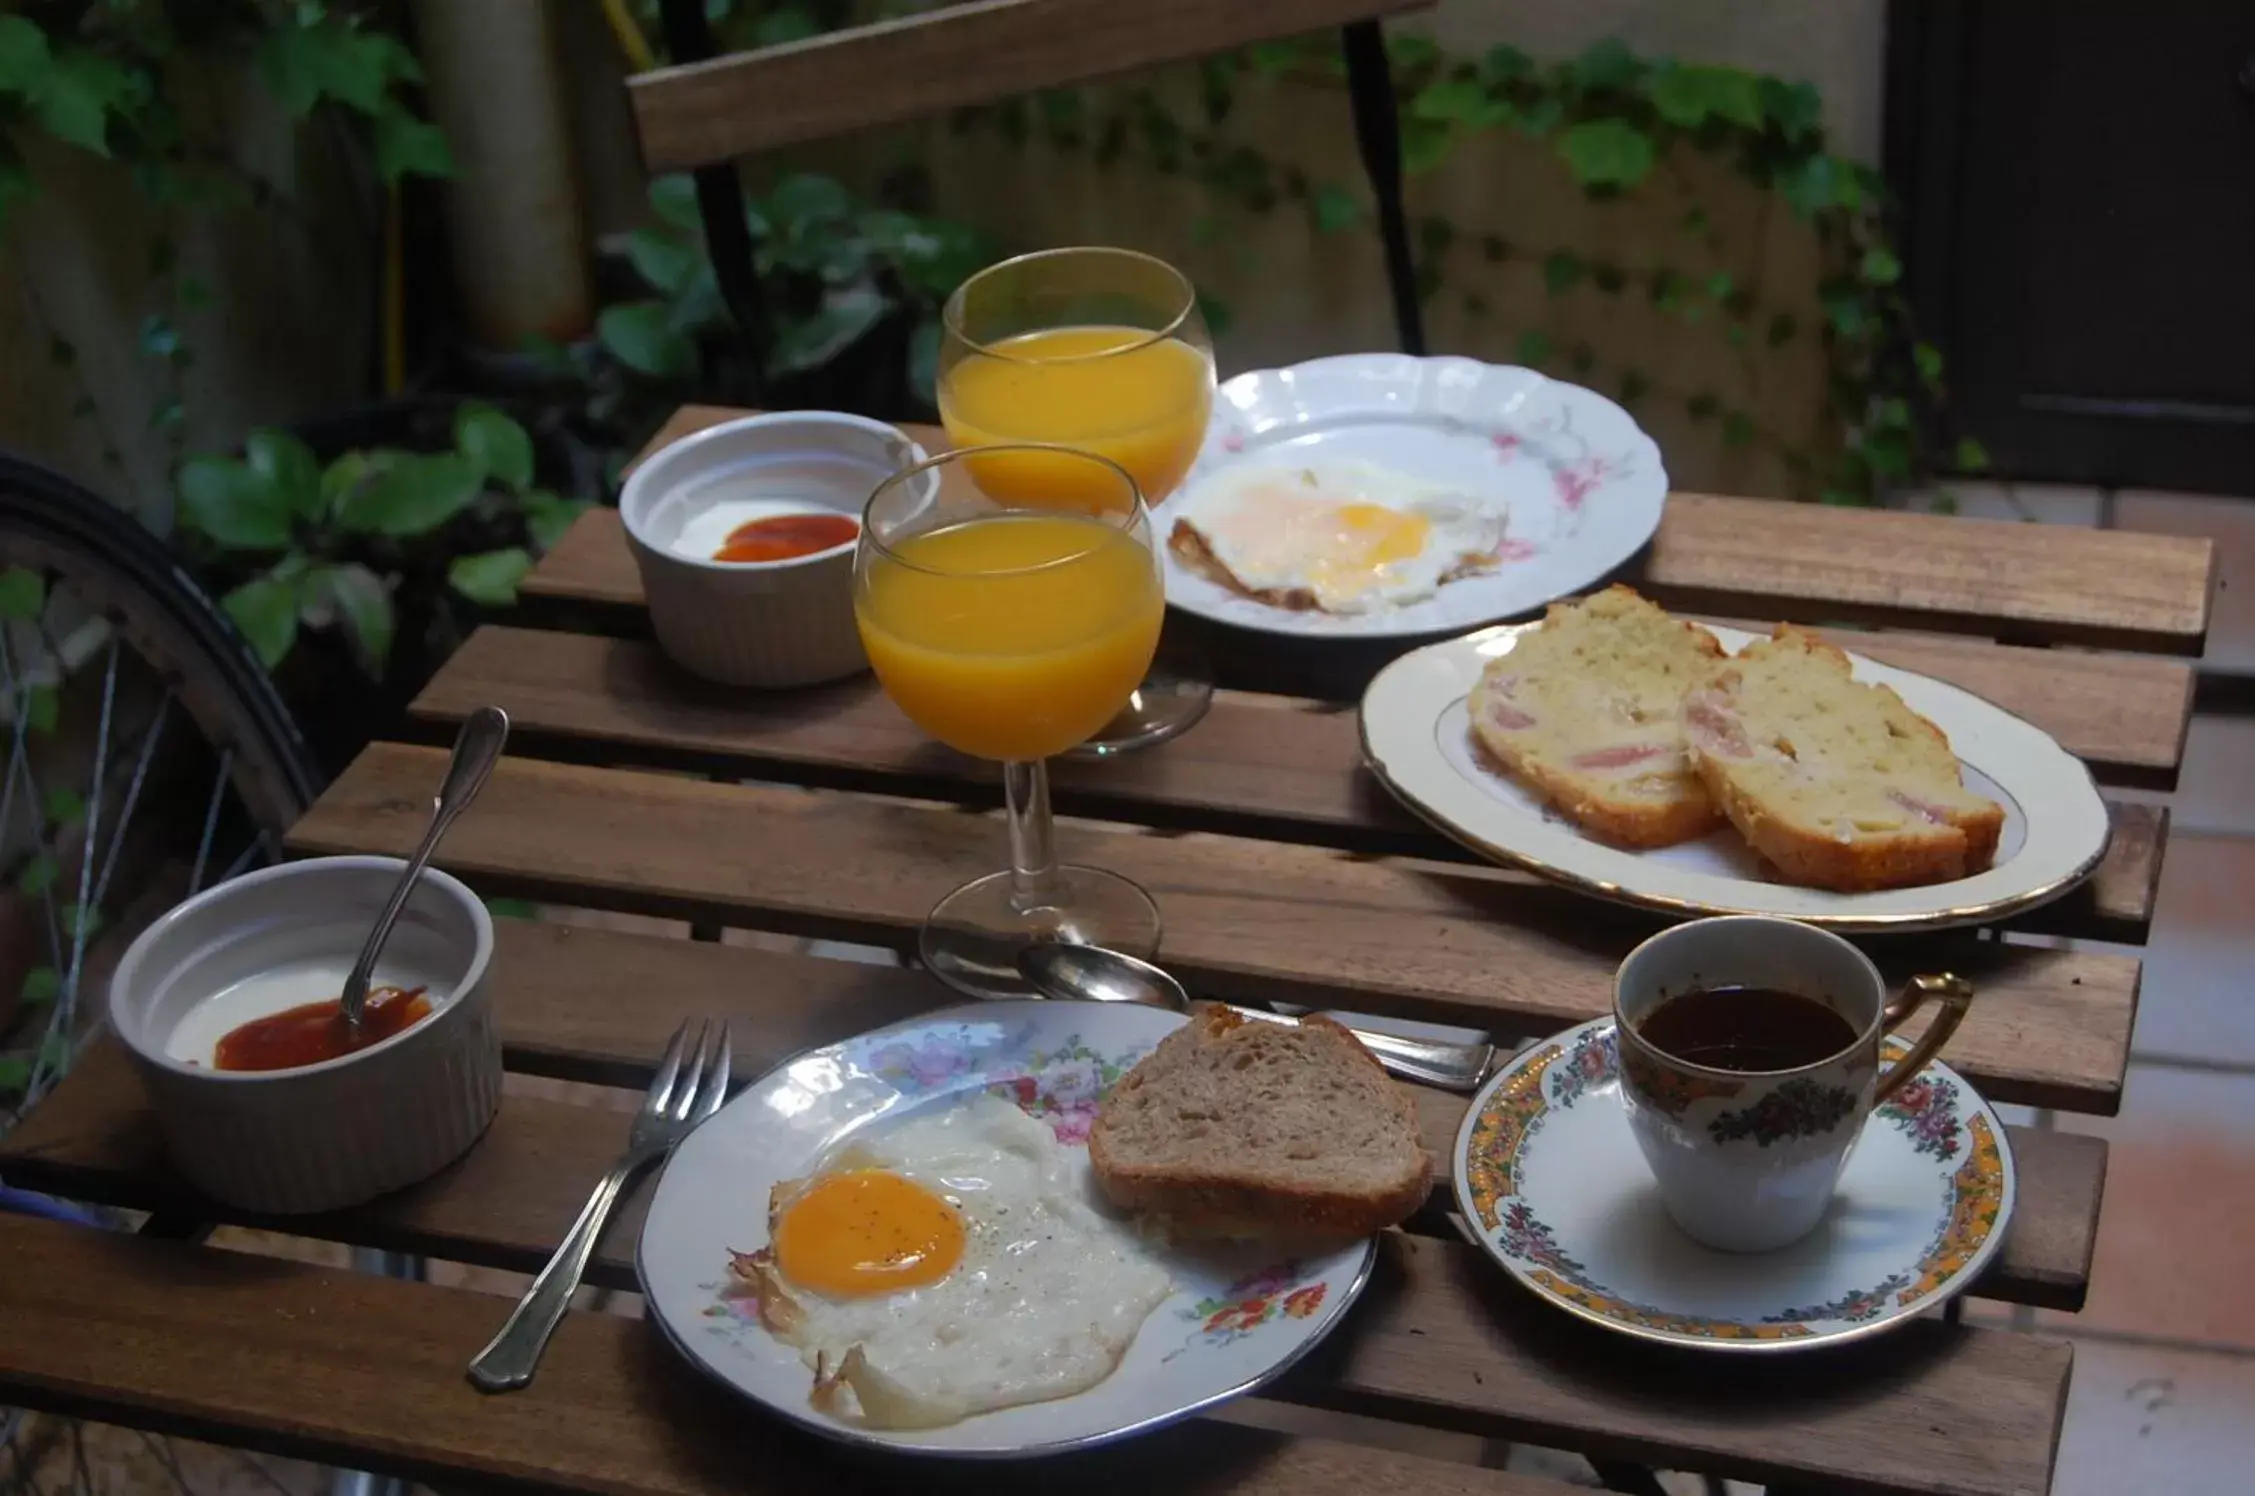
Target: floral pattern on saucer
x: 1549, y: 1172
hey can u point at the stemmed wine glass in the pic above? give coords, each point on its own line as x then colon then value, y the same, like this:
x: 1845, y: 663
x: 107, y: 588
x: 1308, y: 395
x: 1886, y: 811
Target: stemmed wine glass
x: 1009, y: 596
x: 1103, y: 350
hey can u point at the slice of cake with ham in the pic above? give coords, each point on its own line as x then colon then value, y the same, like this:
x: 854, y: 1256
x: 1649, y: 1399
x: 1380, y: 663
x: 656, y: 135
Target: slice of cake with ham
x: 1837, y: 782
x: 1586, y: 710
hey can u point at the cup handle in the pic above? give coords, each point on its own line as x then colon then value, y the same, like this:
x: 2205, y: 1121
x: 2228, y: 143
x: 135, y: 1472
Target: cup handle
x: 1955, y: 993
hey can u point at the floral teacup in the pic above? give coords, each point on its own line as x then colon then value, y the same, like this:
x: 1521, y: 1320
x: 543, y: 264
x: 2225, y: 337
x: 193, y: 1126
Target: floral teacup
x: 1747, y: 1160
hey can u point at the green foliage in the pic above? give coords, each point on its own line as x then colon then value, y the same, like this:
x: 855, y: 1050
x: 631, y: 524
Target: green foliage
x: 1614, y: 120
x: 831, y: 268
x: 336, y: 547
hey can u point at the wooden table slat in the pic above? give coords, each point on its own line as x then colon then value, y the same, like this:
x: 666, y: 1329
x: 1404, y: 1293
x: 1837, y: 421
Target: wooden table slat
x: 366, y: 1373
x: 1257, y: 766
x: 115, y: 1326
x: 558, y: 999
x: 2045, y: 584
x: 1245, y: 920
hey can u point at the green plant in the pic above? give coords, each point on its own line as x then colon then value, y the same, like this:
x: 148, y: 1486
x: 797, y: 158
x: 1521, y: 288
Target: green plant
x: 104, y: 79
x: 1614, y: 121
x: 332, y: 547
x: 834, y: 271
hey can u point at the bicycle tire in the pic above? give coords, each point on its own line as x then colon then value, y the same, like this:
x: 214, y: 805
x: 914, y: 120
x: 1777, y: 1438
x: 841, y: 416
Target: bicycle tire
x: 54, y: 526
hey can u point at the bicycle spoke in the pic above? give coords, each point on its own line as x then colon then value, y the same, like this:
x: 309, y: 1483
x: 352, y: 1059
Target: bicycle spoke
x: 83, y: 923
x: 211, y: 818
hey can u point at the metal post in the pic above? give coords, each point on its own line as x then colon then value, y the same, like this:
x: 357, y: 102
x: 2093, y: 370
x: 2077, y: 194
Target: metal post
x: 1378, y: 132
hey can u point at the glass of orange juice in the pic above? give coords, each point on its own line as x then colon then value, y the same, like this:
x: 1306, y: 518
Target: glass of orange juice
x: 1009, y: 598
x: 1102, y: 350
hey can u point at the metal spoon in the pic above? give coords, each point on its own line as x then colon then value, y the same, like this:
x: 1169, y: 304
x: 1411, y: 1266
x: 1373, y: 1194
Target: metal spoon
x: 477, y: 748
x: 1091, y: 973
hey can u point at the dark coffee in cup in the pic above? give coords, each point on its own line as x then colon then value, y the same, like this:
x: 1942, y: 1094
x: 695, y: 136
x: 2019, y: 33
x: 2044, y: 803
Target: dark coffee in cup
x: 1747, y: 1029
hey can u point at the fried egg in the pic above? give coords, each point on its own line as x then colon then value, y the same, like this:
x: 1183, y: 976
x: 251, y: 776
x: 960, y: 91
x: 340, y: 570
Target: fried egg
x: 1345, y: 537
x: 950, y: 1266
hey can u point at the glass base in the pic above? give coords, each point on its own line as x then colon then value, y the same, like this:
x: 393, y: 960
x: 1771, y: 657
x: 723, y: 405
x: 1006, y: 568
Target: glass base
x: 1173, y: 696
x: 973, y: 936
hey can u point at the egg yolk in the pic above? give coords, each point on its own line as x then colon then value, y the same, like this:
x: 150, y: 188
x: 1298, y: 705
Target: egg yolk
x: 866, y: 1231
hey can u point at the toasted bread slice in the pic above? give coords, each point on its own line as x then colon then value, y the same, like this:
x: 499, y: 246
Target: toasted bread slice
x: 1260, y: 1131
x: 1836, y: 782
x: 1586, y: 710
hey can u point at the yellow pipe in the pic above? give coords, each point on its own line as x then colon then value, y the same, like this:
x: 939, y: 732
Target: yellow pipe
x: 632, y: 42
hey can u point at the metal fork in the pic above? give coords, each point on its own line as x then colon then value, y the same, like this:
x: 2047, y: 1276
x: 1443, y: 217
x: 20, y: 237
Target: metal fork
x: 680, y: 1096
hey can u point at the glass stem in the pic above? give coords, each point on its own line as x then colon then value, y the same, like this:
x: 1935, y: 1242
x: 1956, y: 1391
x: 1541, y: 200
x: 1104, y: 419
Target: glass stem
x: 1033, y: 851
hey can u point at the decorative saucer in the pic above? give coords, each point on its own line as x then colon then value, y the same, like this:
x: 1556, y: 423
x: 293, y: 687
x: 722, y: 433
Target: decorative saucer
x: 1551, y: 1184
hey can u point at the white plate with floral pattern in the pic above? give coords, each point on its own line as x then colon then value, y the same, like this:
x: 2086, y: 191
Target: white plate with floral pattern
x: 1417, y: 738
x: 1581, y: 484
x: 1552, y: 1185
x: 1232, y: 1322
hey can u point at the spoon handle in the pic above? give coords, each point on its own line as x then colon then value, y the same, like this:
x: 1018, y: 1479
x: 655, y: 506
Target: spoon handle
x: 477, y: 748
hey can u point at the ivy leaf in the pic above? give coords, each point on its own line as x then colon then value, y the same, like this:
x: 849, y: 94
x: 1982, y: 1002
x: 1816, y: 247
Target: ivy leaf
x: 41, y: 986
x: 1335, y: 208
x: 23, y: 54
x: 357, y: 598
x: 1504, y: 64
x: 1880, y: 267
x: 846, y: 313
x: 43, y: 708
x: 1606, y: 63
x: 924, y: 361
x: 549, y: 516
x: 266, y: 610
x: 512, y: 908
x: 233, y: 504
x: 81, y: 921
x: 1540, y: 117
x: 63, y: 807
x: 674, y: 199
x: 74, y: 97
x: 1607, y: 153
x: 640, y: 335
x: 805, y: 198
x: 1813, y: 186
x: 490, y: 579
x: 784, y: 23
x: 1971, y: 455
x: 1425, y: 145
x: 1561, y: 268
x: 1458, y: 100
x: 23, y: 593
x: 289, y: 469
x: 1844, y: 308
x: 1795, y: 108
x: 343, y: 478
x: 664, y: 261
x: 407, y: 146
x: 414, y: 495
x: 1929, y: 361
x: 1534, y: 347
x: 497, y: 444
x: 38, y: 874
x: 1689, y: 96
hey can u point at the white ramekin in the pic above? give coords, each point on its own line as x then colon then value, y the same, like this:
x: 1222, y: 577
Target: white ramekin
x: 777, y: 623
x: 333, y: 1135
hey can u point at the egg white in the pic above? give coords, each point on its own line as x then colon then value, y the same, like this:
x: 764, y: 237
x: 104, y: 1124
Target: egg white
x: 1047, y: 1297
x: 1277, y: 531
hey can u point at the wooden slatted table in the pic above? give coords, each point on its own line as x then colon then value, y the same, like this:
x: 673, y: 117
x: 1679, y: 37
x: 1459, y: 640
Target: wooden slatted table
x: 1284, y: 874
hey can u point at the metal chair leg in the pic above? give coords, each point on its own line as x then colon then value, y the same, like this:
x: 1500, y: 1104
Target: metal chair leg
x: 720, y: 207
x: 1378, y: 133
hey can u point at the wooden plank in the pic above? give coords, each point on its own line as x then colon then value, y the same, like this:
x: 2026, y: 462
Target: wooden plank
x: 703, y: 113
x: 1257, y: 766
x: 1244, y: 919
x: 311, y: 1358
x: 558, y: 997
x: 1761, y: 558
x: 366, y: 1373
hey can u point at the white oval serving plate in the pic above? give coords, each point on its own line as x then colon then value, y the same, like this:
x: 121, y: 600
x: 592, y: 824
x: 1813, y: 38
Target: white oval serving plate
x: 1416, y: 737
x: 1583, y: 484
x: 1233, y: 1322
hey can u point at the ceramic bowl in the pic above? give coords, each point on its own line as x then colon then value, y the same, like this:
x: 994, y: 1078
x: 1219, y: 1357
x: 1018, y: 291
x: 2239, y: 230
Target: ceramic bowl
x: 775, y: 623
x: 332, y: 1135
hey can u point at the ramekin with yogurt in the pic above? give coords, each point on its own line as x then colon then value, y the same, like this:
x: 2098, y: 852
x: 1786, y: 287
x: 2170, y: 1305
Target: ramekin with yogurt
x: 697, y: 515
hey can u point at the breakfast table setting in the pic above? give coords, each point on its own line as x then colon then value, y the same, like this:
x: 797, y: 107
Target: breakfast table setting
x: 1289, y: 967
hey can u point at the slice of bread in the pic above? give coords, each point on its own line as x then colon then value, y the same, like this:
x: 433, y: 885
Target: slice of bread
x: 1836, y: 782
x: 1587, y: 711
x: 1259, y: 1131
